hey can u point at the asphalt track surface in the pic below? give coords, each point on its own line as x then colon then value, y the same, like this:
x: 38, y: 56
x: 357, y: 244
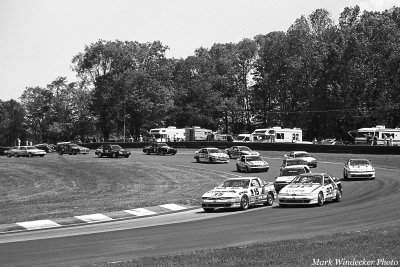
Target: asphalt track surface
x: 365, y: 205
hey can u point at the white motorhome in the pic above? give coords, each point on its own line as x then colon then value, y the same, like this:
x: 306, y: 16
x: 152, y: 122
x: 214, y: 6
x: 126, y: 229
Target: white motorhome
x: 197, y: 134
x: 169, y: 134
x: 383, y: 135
x: 278, y: 135
x: 245, y: 138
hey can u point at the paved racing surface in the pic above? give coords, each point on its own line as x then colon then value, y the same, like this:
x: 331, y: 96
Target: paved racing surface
x: 365, y: 205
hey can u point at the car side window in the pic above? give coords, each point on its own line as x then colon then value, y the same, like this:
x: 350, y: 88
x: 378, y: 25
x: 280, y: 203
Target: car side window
x: 255, y: 183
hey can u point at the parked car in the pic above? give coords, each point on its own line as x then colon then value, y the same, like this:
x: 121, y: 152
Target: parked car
x: 112, y: 151
x: 287, y: 174
x: 211, y: 155
x: 159, y: 148
x: 46, y: 147
x: 25, y: 151
x: 237, y: 151
x: 240, y: 192
x: 311, y: 161
x: 251, y: 163
x: 358, y: 168
x: 71, y: 148
x: 10, y: 152
x: 311, y: 189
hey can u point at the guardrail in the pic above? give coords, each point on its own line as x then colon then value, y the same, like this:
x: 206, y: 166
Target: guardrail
x: 340, y: 149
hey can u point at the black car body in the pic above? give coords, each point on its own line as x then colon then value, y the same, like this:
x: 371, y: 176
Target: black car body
x: 159, y: 148
x: 112, y: 151
x: 71, y: 149
x: 46, y: 147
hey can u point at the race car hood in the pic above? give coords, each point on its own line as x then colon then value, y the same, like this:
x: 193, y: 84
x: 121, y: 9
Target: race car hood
x: 257, y: 162
x: 218, y: 155
x: 252, y: 153
x: 300, y: 188
x: 225, y: 192
x: 286, y: 179
x: 309, y: 159
x: 361, y: 168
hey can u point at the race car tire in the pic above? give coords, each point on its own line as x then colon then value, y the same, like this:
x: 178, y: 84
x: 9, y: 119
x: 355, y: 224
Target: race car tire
x: 74, y: 152
x: 338, y: 196
x: 210, y: 160
x: 16, y: 155
x: 99, y: 155
x: 162, y: 152
x: 147, y: 152
x: 41, y: 156
x: 208, y: 209
x: 30, y: 155
x: 244, y: 203
x: 345, y: 176
x: 247, y: 169
x: 270, y: 199
x: 197, y: 159
x: 173, y: 153
x: 9, y: 155
x: 127, y: 156
x: 115, y: 155
x: 238, y: 168
x: 60, y: 152
x: 320, y: 199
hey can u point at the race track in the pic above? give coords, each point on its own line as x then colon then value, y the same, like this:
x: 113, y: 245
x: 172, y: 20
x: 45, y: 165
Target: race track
x: 365, y: 205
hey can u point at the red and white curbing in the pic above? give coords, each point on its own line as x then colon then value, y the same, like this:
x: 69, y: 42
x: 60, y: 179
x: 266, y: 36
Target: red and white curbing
x: 94, y: 218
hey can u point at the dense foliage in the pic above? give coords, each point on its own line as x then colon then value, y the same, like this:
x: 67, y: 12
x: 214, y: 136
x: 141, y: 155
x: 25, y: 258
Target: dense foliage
x: 323, y: 77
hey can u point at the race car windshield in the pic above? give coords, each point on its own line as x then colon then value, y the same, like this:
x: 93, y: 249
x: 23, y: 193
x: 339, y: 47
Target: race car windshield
x: 359, y: 162
x: 255, y: 158
x: 214, y: 151
x: 295, y: 162
x: 292, y: 172
x: 116, y: 147
x: 244, y: 148
x: 308, y: 180
x: 236, y: 183
x: 162, y: 144
x: 302, y: 155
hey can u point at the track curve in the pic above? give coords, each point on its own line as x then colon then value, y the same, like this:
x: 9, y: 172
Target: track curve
x: 365, y: 205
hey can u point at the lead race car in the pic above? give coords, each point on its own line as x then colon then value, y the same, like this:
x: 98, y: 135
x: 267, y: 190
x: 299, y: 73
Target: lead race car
x: 240, y: 192
x: 358, y: 168
x: 311, y: 189
x: 211, y: 155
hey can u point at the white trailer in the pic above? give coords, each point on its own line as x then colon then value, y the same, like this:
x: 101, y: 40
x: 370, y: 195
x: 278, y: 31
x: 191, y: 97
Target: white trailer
x: 169, y: 134
x: 278, y: 135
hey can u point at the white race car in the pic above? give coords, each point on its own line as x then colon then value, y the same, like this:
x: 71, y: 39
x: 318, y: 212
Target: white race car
x: 211, y: 155
x: 240, y: 192
x: 249, y: 163
x: 311, y: 161
x: 310, y: 189
x: 287, y: 174
x: 237, y: 151
x: 358, y: 168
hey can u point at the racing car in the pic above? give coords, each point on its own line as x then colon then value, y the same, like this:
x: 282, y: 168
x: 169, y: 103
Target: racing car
x: 240, y: 192
x: 311, y: 161
x: 237, y: 151
x: 287, y: 174
x: 311, y: 189
x: 249, y: 163
x: 358, y: 168
x: 211, y: 155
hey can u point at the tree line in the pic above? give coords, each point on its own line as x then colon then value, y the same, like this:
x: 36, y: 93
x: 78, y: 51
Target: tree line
x: 323, y: 77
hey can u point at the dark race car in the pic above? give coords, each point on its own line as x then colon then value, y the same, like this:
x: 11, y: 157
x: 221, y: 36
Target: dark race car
x: 159, y: 148
x: 71, y: 148
x: 112, y: 151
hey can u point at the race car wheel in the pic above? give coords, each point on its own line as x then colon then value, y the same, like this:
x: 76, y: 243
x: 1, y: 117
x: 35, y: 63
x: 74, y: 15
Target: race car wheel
x: 173, y: 153
x: 30, y: 155
x: 127, y: 156
x: 99, y: 155
x: 338, y: 196
x: 208, y: 209
x: 345, y: 176
x: 115, y: 155
x: 9, y: 155
x: 244, y: 203
x: 320, y: 199
x: 162, y: 152
x: 210, y: 160
x: 197, y: 159
x: 74, y: 153
x: 147, y: 152
x: 270, y: 199
x: 238, y: 168
x: 247, y: 169
x: 16, y: 155
x: 60, y: 152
